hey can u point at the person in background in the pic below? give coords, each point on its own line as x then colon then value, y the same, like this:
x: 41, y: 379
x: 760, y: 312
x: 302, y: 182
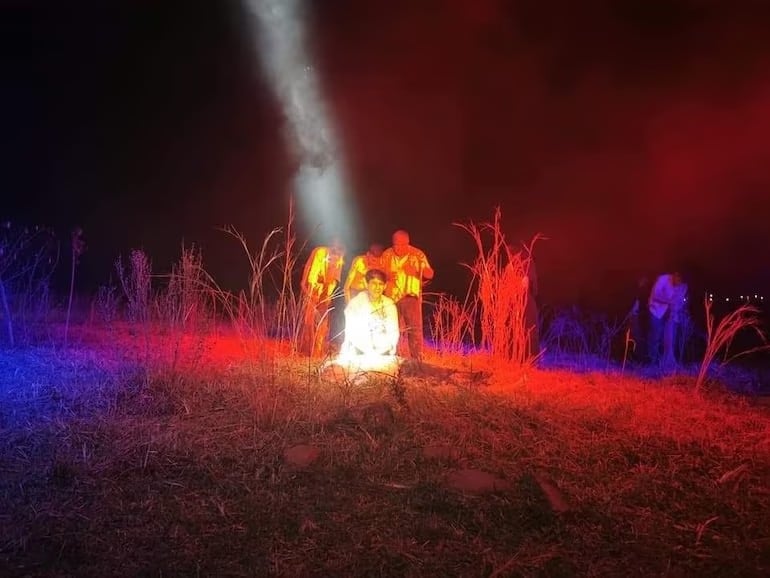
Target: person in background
x: 320, y: 279
x: 407, y: 268
x: 356, y: 281
x: 666, y: 306
x: 371, y: 320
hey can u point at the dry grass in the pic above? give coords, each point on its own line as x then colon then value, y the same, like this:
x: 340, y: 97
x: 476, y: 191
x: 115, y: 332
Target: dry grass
x: 114, y: 466
x: 497, y: 296
x: 720, y: 338
x: 453, y: 324
x: 157, y: 446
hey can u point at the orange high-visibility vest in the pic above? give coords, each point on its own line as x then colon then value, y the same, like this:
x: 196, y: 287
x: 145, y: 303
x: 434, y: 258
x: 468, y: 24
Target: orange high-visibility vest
x: 323, y: 271
x: 356, y: 280
x: 400, y: 284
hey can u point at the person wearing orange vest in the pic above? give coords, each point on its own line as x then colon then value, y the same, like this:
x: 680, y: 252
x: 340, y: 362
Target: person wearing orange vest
x: 355, y: 282
x: 320, y: 279
x: 407, y: 268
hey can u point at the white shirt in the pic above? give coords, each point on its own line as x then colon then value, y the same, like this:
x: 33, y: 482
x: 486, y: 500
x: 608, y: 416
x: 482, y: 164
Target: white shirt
x: 369, y: 328
x: 665, y: 295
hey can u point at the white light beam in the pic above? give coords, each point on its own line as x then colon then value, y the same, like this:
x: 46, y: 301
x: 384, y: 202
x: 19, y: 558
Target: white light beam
x: 320, y: 182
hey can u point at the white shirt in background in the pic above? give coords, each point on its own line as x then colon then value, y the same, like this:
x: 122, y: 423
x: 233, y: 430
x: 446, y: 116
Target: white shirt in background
x: 665, y: 295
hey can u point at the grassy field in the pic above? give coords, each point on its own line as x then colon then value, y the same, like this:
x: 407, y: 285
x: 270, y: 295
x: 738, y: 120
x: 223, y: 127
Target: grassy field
x: 141, y: 454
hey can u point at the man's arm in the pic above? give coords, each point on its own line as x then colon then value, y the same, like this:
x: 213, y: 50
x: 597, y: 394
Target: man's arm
x: 390, y: 273
x: 352, y: 276
x: 307, y: 274
x: 426, y: 271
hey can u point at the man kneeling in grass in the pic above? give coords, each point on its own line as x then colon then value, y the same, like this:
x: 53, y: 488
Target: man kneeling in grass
x: 371, y: 324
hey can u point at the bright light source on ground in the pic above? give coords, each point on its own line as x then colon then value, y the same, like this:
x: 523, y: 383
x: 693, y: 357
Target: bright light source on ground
x: 369, y: 362
x: 320, y: 183
x: 358, y: 369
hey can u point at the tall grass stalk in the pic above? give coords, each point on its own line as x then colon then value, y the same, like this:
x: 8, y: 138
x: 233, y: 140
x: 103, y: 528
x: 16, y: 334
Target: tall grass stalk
x: 182, y: 305
x: 452, y: 324
x: 249, y: 311
x: 136, y: 282
x: 7, y: 313
x: 289, y: 305
x: 499, y: 291
x: 77, y: 246
x: 28, y: 258
x: 720, y: 338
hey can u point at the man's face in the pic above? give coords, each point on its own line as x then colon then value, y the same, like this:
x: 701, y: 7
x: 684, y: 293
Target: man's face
x: 376, y: 250
x: 676, y: 279
x: 375, y: 287
x: 400, y: 242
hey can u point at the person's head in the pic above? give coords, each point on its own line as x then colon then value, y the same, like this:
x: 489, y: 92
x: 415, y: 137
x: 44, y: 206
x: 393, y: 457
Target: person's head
x: 676, y: 278
x: 400, y: 242
x: 375, y: 283
x: 376, y: 249
x: 337, y: 246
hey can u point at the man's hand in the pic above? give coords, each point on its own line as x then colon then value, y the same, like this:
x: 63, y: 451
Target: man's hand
x: 411, y: 269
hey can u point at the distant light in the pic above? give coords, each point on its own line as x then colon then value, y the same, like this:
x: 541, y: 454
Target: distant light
x: 727, y: 298
x: 755, y: 297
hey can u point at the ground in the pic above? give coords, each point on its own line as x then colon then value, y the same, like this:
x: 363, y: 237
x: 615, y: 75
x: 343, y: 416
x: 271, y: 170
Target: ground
x: 132, y: 453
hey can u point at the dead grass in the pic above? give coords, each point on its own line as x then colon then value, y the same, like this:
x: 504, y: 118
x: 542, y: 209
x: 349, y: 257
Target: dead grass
x: 496, y: 299
x: 112, y: 467
x: 721, y: 336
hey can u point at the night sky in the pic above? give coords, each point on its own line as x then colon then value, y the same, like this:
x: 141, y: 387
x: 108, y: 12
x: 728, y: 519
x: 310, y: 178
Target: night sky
x: 635, y: 135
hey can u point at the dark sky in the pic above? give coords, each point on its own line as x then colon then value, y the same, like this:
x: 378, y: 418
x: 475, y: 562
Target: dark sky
x: 633, y: 134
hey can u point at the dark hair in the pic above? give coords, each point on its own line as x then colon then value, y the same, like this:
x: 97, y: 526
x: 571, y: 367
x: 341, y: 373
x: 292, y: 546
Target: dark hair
x: 376, y: 273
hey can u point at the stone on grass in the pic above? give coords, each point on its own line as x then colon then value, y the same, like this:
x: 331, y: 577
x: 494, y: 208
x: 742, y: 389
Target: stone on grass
x: 476, y: 481
x: 301, y: 456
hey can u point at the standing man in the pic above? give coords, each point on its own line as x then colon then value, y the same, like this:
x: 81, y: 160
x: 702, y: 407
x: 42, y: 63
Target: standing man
x: 355, y: 282
x: 407, y: 267
x: 320, y: 279
x: 666, y: 306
